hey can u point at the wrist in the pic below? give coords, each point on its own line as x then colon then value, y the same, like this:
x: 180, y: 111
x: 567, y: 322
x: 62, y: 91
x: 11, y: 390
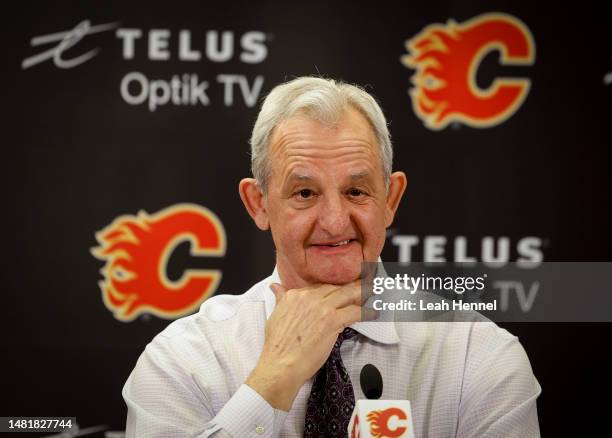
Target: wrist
x: 276, y: 384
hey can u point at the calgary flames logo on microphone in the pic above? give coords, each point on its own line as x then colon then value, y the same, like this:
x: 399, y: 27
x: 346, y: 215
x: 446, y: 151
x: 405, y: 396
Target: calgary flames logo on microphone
x: 136, y: 250
x: 446, y: 59
x: 379, y: 423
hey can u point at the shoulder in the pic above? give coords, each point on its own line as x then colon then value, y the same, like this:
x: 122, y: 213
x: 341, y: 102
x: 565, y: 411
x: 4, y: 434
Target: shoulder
x: 494, y: 349
x: 221, y: 321
x: 487, y: 358
x: 219, y: 309
x: 499, y: 389
x: 496, y: 359
x: 474, y: 347
x: 202, y: 344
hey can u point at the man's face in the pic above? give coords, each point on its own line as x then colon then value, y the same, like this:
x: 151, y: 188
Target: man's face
x: 326, y: 201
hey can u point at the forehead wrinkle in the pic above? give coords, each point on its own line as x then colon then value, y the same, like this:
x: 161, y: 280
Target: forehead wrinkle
x: 314, y: 152
x: 299, y: 171
x: 324, y: 142
x: 302, y: 158
x: 293, y: 149
x: 363, y: 164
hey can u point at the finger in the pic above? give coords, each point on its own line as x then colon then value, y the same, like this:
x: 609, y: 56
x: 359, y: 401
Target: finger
x: 279, y: 291
x: 344, y: 297
x: 353, y: 313
x: 348, y: 294
x: 334, y: 287
x: 325, y: 289
x: 348, y: 315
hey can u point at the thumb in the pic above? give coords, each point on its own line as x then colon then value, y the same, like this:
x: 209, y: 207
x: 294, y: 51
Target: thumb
x: 279, y: 291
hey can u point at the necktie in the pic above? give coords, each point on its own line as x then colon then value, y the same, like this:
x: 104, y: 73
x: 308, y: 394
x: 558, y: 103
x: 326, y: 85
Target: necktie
x: 332, y: 399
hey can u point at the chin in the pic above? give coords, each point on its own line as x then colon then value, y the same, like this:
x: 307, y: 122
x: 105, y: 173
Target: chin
x: 338, y: 275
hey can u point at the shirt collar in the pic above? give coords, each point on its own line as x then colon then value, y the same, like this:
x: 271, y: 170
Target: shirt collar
x: 383, y: 332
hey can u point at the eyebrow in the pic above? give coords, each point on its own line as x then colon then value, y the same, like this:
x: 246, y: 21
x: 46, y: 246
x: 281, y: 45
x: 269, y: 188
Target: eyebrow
x: 300, y: 177
x: 364, y: 174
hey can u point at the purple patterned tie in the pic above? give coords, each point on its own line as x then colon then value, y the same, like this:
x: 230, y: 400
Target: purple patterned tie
x: 332, y: 399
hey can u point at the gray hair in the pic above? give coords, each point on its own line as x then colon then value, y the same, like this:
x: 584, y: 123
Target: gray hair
x: 325, y: 100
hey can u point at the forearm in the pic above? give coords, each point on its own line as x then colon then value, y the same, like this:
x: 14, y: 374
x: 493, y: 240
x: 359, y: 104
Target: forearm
x: 245, y: 414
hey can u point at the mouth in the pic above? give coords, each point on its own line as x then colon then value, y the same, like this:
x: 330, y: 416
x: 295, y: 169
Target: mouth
x: 334, y: 244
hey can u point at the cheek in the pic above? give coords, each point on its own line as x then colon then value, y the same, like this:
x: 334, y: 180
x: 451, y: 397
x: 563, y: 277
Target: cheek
x: 371, y: 224
x: 291, y: 229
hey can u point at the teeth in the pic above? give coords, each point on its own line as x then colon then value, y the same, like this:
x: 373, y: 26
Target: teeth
x: 344, y: 242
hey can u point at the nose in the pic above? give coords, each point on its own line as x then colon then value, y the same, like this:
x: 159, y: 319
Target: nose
x: 334, y: 215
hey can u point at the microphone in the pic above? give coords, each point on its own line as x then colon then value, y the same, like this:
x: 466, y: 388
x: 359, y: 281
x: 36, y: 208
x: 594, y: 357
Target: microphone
x: 377, y: 418
x: 371, y: 382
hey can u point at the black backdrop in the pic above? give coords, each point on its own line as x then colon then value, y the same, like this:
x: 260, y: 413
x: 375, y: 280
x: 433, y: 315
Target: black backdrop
x: 77, y: 155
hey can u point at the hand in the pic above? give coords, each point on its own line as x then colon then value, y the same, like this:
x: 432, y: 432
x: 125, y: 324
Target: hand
x: 300, y: 335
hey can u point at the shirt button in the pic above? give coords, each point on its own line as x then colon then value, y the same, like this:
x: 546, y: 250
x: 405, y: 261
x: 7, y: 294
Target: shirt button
x: 260, y: 430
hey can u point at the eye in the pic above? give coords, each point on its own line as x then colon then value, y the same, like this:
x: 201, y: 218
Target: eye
x: 355, y: 192
x: 305, y: 193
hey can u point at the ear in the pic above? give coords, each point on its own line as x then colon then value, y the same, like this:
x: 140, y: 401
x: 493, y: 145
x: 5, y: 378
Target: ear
x: 255, y: 202
x: 397, y: 185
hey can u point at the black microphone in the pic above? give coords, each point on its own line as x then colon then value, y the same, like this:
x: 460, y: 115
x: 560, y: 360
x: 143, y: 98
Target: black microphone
x: 371, y: 382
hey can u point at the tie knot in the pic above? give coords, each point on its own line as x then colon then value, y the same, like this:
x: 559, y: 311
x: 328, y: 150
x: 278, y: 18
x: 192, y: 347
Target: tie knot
x: 347, y: 333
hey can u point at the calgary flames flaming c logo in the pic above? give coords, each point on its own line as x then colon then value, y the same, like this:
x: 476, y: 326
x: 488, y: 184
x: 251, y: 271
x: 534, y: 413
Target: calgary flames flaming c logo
x: 379, y: 423
x: 136, y: 250
x: 446, y: 59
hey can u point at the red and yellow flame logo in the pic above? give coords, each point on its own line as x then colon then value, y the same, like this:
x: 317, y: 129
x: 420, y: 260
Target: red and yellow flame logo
x: 446, y: 59
x: 136, y: 250
x: 379, y: 423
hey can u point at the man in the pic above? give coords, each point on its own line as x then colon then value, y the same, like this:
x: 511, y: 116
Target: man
x: 283, y: 358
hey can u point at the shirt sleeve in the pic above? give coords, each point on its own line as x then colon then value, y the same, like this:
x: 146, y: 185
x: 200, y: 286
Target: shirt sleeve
x: 165, y: 399
x: 500, y: 390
